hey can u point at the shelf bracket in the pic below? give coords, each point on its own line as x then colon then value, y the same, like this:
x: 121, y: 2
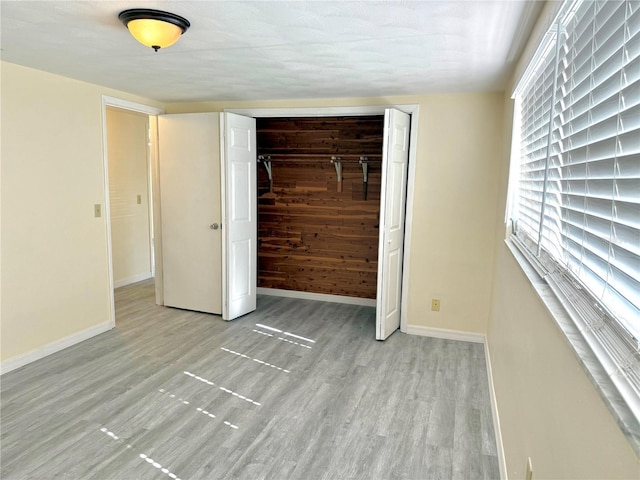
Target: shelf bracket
x: 365, y: 176
x: 337, y: 163
x: 265, y: 161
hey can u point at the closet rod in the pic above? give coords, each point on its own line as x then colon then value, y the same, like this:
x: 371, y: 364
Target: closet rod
x: 355, y: 159
x: 345, y: 158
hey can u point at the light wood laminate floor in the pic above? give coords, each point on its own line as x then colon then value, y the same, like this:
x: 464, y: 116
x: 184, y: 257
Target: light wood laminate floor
x: 177, y: 394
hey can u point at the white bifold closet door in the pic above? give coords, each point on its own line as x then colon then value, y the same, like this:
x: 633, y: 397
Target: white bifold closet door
x: 395, y: 162
x: 240, y: 208
x: 205, y: 191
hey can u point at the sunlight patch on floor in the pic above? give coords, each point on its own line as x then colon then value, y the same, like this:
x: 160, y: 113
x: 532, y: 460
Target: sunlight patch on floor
x: 226, y: 390
x: 288, y: 334
x: 255, y: 360
x: 198, y: 409
x: 143, y: 456
x: 280, y: 338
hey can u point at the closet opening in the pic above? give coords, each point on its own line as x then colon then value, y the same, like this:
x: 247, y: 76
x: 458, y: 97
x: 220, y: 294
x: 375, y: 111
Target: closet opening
x: 319, y: 185
x: 399, y: 159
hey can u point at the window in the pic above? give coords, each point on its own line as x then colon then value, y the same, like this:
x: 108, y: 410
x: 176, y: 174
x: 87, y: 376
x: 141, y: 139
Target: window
x: 575, y: 208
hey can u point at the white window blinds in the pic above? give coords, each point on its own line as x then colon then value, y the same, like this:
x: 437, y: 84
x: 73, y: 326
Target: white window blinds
x: 577, y: 209
x: 535, y: 111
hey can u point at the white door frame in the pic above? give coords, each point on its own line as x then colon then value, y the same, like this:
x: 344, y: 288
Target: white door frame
x: 413, y: 110
x: 108, y: 101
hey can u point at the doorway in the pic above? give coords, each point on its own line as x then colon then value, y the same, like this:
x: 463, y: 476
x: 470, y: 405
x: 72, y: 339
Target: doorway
x: 129, y: 196
x: 131, y: 231
x: 319, y: 181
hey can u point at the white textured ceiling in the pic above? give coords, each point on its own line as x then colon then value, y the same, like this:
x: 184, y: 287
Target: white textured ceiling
x: 248, y: 50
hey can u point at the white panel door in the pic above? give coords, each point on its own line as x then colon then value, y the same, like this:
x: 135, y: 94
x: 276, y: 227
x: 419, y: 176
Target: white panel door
x: 190, y: 203
x: 240, y: 205
x: 395, y: 160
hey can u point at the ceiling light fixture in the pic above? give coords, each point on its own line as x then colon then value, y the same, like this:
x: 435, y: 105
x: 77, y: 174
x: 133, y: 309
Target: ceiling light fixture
x: 154, y: 28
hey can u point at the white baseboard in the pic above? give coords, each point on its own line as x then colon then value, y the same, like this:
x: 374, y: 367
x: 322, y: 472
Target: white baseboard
x: 53, y: 347
x: 475, y: 338
x: 446, y: 334
x: 496, y: 418
x: 322, y: 297
x: 134, y: 279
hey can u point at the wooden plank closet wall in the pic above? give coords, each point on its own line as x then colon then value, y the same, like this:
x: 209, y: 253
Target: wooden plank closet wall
x: 312, y: 237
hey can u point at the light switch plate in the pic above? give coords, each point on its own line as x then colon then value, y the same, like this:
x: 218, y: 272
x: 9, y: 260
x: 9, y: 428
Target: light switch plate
x: 97, y: 210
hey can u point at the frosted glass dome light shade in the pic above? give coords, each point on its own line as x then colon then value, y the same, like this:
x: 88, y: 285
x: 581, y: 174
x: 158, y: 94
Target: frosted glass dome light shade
x: 154, y: 28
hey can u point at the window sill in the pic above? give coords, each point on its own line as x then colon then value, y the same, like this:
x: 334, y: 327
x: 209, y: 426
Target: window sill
x: 623, y: 414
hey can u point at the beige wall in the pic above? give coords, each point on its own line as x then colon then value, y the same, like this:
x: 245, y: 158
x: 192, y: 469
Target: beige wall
x: 459, y: 142
x: 549, y: 410
x: 454, y: 211
x: 54, y: 252
x: 128, y: 180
